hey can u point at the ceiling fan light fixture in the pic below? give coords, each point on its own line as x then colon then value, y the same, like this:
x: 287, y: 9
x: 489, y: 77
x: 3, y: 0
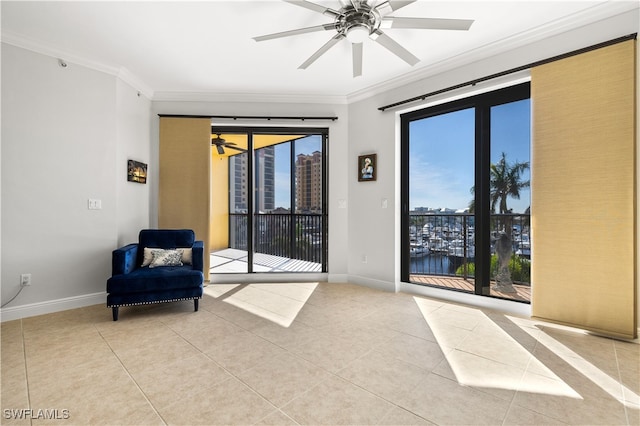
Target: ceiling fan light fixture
x: 357, y: 33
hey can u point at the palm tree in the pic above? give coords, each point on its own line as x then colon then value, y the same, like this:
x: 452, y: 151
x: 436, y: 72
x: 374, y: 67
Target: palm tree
x: 505, y: 181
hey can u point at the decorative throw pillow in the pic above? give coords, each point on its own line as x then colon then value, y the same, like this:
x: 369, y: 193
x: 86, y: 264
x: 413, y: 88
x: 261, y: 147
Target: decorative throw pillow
x: 166, y: 258
x: 148, y: 255
x: 187, y: 256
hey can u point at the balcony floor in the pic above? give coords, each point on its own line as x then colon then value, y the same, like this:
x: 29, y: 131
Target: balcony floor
x: 235, y: 261
x: 522, y: 294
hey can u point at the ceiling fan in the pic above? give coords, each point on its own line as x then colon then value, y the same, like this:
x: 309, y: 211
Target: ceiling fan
x: 358, y: 20
x: 221, y: 144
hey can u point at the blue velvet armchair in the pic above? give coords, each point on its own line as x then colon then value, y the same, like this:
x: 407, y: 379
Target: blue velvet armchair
x: 165, y: 265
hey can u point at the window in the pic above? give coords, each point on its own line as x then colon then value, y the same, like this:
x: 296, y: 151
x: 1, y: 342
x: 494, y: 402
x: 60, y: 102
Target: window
x: 466, y: 197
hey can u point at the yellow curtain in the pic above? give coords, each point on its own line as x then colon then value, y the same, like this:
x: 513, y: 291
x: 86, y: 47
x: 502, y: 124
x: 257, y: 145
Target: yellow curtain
x: 583, y: 190
x: 184, y: 195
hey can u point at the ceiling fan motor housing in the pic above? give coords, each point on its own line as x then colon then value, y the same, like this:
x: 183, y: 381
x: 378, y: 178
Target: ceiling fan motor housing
x: 352, y: 22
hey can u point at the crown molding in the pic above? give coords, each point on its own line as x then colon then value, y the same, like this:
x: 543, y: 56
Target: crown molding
x: 248, y: 97
x: 591, y: 15
x: 122, y: 73
x: 125, y: 75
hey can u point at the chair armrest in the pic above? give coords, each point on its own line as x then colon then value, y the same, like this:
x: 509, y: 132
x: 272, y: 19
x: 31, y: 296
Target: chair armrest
x: 198, y: 256
x: 123, y: 260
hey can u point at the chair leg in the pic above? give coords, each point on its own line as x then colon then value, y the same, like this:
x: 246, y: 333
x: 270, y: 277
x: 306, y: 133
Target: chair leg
x: 115, y: 312
x: 195, y: 305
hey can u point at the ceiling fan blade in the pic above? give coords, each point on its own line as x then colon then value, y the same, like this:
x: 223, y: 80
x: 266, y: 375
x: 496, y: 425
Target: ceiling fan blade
x: 394, y: 47
x: 324, y: 27
x: 315, y: 7
x: 354, y: 3
x: 356, y: 52
x: 389, y: 6
x: 236, y: 148
x: 426, y: 23
x: 328, y: 45
x: 220, y: 149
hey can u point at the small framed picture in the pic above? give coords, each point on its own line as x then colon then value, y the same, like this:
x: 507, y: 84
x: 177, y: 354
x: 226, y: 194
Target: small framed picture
x: 136, y: 171
x: 367, y: 167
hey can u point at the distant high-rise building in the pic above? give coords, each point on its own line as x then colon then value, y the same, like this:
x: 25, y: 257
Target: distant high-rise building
x: 264, y: 178
x: 309, y: 182
x: 238, y: 166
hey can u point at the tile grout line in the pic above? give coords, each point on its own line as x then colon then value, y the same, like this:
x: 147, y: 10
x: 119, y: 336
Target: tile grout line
x: 232, y: 375
x: 299, y: 357
x: 26, y: 368
x: 131, y: 377
x: 623, y: 399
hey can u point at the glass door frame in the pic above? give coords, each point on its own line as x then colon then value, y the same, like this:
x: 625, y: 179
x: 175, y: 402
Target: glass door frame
x: 482, y: 104
x: 250, y: 131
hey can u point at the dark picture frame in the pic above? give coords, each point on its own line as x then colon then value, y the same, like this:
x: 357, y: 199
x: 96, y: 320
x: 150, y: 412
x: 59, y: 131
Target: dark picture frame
x: 367, y: 167
x: 136, y: 171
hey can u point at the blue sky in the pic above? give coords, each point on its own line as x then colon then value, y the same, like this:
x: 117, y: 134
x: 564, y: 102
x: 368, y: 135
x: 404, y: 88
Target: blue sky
x: 441, y: 156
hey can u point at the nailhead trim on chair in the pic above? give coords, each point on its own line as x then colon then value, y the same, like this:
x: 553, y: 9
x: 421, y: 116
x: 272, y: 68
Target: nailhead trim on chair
x: 155, y: 301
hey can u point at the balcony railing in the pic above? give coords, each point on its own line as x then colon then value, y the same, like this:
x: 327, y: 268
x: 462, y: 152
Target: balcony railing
x: 294, y: 236
x: 444, y: 244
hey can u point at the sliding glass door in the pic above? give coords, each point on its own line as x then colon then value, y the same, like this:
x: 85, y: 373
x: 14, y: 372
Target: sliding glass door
x: 465, y: 195
x: 277, y: 203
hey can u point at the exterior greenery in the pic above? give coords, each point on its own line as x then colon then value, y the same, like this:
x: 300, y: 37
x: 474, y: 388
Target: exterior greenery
x: 520, y: 268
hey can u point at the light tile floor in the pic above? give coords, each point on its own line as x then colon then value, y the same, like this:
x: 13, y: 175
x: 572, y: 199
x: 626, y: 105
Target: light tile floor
x: 312, y: 353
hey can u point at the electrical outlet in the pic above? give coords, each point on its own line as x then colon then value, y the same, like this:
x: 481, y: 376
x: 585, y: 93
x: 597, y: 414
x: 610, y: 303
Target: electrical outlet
x: 364, y: 258
x: 25, y: 279
x: 94, y: 204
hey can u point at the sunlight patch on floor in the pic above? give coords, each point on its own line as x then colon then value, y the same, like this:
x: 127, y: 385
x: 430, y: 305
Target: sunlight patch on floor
x: 279, y: 303
x: 608, y: 384
x: 481, y: 354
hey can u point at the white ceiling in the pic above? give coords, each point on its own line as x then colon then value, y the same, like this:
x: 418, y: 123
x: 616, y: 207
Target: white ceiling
x: 207, y: 47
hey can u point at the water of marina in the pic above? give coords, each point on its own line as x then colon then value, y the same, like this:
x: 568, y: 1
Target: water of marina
x: 432, y: 263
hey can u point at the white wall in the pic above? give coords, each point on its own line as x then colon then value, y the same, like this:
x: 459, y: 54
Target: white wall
x: 65, y: 133
x: 337, y: 163
x: 133, y: 140
x: 374, y: 231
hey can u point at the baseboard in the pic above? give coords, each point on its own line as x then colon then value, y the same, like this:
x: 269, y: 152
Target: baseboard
x: 338, y: 278
x: 372, y: 283
x: 50, y: 306
x: 514, y: 308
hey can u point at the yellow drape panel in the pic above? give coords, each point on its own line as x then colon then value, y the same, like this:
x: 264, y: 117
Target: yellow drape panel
x: 583, y: 190
x: 184, y: 195
x: 219, y: 201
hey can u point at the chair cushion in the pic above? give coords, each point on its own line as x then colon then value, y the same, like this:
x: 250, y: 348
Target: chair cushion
x: 155, y: 279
